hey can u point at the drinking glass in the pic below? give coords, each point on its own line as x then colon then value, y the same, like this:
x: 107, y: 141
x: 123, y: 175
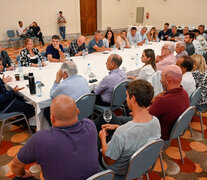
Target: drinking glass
x: 107, y: 115
x: 132, y: 56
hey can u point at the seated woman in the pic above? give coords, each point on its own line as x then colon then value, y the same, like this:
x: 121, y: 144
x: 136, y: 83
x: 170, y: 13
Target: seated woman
x: 122, y: 40
x: 152, y: 34
x: 37, y: 32
x: 200, y: 76
x: 29, y: 55
x: 148, y: 57
x: 108, y: 41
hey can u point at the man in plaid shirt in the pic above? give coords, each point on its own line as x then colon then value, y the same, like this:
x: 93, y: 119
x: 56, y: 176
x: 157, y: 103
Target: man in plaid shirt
x: 77, y: 46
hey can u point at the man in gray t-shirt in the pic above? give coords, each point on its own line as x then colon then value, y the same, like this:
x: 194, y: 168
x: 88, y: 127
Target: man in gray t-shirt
x: 128, y: 138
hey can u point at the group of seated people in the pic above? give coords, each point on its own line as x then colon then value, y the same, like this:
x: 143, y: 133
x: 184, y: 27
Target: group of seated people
x: 69, y: 148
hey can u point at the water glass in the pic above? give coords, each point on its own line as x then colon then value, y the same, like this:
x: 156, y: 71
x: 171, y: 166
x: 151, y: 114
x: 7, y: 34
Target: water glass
x: 107, y: 115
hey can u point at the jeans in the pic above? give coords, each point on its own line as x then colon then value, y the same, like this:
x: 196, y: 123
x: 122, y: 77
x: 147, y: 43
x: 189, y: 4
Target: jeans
x: 62, y: 32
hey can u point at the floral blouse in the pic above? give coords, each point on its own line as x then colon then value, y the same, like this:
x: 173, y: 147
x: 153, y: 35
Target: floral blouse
x: 26, y: 59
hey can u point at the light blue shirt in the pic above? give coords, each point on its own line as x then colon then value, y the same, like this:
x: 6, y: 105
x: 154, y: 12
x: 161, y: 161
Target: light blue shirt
x: 142, y: 37
x: 133, y: 39
x: 74, y: 86
x: 92, y: 43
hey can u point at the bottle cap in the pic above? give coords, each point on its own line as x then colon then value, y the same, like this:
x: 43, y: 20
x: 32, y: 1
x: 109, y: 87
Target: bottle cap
x: 30, y: 74
x: 38, y: 82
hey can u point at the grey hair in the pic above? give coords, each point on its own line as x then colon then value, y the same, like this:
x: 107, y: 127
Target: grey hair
x: 170, y: 46
x: 69, y: 67
x: 182, y: 44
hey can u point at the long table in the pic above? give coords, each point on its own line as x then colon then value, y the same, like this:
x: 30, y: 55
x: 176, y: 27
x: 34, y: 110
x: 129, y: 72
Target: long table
x: 48, y: 74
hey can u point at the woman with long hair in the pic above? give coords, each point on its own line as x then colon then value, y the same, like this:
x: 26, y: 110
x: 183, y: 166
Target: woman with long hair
x: 152, y: 34
x: 108, y: 41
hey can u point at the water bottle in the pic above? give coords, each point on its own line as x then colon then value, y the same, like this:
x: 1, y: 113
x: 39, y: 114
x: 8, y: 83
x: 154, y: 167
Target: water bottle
x: 38, y: 89
x: 136, y: 59
x: 20, y: 71
x: 84, y: 54
x: 32, y: 87
x: 39, y: 63
x: 89, y: 68
x: 68, y: 57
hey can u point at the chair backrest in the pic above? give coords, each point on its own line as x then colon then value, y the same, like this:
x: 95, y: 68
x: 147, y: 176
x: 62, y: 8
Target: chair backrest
x: 119, y: 94
x: 144, y: 159
x: 104, y: 175
x: 155, y: 81
x: 182, y: 123
x: 86, y: 105
x: 17, y: 32
x: 10, y: 33
x: 195, y: 96
x: 65, y: 49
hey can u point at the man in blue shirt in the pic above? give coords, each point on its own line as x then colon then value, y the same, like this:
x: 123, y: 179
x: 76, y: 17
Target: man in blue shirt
x: 73, y: 85
x: 54, y: 51
x: 133, y: 36
x: 105, y: 88
x: 164, y: 34
x: 142, y: 37
x: 96, y: 44
x: 174, y: 35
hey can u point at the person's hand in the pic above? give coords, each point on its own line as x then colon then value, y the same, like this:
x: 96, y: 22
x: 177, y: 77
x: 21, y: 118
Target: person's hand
x: 10, y: 68
x: 59, y: 76
x: 6, y: 79
x: 56, y: 46
x: 109, y: 49
x: 63, y: 60
x: 17, y: 89
x: 27, y: 174
x: 131, y: 77
x: 43, y: 64
x: 110, y: 126
x: 158, y: 58
x: 102, y: 134
x: 166, y: 36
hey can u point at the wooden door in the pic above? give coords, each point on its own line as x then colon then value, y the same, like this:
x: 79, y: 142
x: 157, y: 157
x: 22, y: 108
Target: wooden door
x: 88, y: 15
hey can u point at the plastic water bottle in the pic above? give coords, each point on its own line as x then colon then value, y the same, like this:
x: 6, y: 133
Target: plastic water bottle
x: 136, y: 59
x: 84, y: 54
x: 20, y: 71
x: 89, y: 68
x: 68, y: 57
x: 38, y: 89
x: 39, y: 64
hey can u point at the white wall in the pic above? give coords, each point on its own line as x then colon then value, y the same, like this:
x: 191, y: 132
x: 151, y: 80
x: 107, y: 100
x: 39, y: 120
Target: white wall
x: 44, y: 12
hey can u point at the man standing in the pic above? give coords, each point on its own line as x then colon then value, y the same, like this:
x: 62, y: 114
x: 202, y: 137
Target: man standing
x: 167, y: 57
x: 9, y: 101
x: 188, y: 39
x: 105, y: 88
x: 133, y: 36
x: 96, y: 44
x: 61, y: 23
x: 54, y: 51
x: 6, y: 60
x: 142, y: 37
x: 172, y: 103
x: 68, y: 150
x: 77, y: 46
x: 128, y: 138
x: 164, y: 34
x: 180, y: 50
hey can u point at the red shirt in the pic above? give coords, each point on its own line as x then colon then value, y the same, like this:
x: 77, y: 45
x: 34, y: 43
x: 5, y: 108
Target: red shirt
x: 168, y: 107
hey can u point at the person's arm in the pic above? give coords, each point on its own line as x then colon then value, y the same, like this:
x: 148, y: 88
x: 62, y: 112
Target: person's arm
x: 102, y: 85
x: 62, y: 57
x: 127, y: 43
x: 54, y: 90
x: 101, y: 49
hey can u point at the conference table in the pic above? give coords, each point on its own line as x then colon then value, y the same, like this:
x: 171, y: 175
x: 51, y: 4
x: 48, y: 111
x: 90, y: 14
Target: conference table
x: 47, y: 75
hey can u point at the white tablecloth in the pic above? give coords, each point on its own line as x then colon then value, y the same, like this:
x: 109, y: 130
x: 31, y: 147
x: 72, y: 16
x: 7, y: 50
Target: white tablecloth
x: 47, y: 75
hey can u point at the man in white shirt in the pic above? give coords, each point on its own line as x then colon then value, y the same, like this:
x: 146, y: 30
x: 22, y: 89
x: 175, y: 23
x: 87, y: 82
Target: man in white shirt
x: 188, y: 82
x: 201, y: 29
x: 23, y: 32
x: 133, y: 36
x: 201, y: 39
x: 197, y: 45
x: 142, y: 36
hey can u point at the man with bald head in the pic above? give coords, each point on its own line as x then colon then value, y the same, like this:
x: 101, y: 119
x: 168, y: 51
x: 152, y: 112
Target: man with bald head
x: 77, y: 46
x: 168, y: 106
x: 66, y: 151
x: 105, y: 88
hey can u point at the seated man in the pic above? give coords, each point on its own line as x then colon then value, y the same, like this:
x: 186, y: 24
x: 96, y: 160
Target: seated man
x: 6, y: 60
x: 105, y: 88
x: 77, y: 46
x: 133, y: 36
x: 197, y: 45
x: 167, y: 57
x: 174, y: 35
x: 201, y: 29
x: 185, y: 31
x: 188, y: 81
x: 201, y: 39
x: 96, y: 44
x: 188, y: 39
x: 180, y: 49
x: 66, y: 151
x: 54, y: 51
x: 22, y: 31
x: 142, y: 36
x: 9, y: 101
x: 73, y: 85
x: 128, y: 138
x: 164, y: 34
x: 175, y: 98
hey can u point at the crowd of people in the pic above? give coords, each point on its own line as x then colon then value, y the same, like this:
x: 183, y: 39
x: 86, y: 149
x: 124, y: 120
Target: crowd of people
x: 72, y: 143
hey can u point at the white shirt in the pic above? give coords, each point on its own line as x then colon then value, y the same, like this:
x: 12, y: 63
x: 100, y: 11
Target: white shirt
x: 188, y: 83
x: 21, y: 30
x: 146, y: 72
x: 198, y: 47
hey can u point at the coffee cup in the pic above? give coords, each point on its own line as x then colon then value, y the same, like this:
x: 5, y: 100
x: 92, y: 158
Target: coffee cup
x: 17, y: 77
